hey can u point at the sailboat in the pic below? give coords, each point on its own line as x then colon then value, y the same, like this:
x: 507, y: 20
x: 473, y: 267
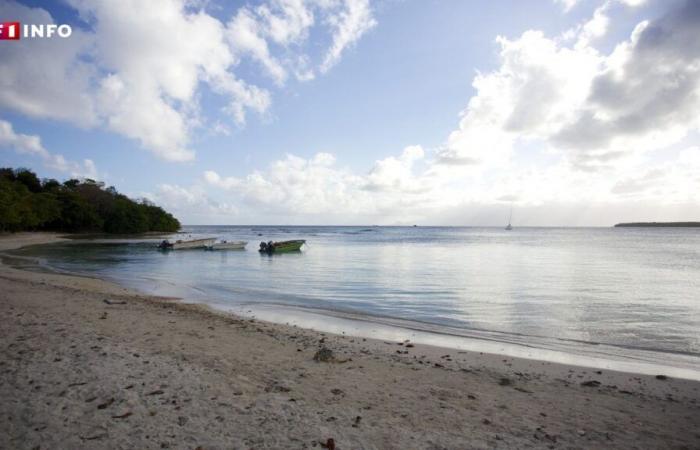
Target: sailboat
x: 509, y: 226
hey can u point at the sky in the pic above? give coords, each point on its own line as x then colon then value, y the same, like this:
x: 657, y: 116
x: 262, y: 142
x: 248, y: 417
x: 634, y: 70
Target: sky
x: 387, y: 112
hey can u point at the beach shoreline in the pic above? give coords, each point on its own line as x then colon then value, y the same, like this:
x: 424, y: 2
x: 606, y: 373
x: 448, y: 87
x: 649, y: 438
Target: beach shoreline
x: 90, y: 364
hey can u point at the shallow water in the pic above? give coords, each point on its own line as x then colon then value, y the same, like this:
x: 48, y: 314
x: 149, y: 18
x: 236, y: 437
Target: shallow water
x: 634, y: 291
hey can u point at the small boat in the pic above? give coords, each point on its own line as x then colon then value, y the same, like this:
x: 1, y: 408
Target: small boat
x: 224, y: 245
x: 509, y: 226
x: 181, y: 245
x: 281, y: 247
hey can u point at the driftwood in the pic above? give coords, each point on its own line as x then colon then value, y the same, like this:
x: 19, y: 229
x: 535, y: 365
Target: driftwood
x: 114, y: 302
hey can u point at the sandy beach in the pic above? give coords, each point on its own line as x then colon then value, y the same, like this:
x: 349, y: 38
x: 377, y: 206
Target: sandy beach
x: 88, y: 364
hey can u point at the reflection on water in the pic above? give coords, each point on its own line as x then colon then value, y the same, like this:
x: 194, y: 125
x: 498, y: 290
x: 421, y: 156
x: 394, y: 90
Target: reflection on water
x: 630, y: 288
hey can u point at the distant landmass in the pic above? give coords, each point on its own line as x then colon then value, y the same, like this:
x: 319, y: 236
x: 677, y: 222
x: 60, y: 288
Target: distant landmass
x: 659, y: 224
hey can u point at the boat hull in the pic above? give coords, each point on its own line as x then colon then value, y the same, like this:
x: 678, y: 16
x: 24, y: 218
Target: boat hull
x: 240, y: 245
x: 185, y: 245
x: 281, y: 247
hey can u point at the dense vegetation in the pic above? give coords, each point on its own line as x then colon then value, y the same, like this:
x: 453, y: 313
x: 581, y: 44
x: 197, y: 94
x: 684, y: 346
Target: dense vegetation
x: 28, y: 203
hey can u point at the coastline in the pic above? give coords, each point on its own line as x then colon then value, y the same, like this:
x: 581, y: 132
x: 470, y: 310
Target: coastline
x: 87, y: 363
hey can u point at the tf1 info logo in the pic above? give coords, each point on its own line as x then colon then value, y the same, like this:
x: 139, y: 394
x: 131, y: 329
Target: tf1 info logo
x: 13, y: 31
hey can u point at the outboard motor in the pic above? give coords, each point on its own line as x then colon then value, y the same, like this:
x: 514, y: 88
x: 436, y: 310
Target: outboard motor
x: 267, y: 247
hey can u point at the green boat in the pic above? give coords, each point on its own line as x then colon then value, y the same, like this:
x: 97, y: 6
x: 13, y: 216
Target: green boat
x: 281, y: 247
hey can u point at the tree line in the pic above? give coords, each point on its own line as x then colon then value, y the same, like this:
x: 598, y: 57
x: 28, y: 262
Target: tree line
x: 28, y: 203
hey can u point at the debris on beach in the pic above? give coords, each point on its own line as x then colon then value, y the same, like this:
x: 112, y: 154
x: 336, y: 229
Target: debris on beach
x: 96, y: 434
x: 356, y: 422
x: 277, y: 387
x: 661, y: 377
x: 122, y: 416
x: 504, y: 382
x: 105, y: 404
x: 324, y: 355
x: 114, y: 302
x: 330, y: 444
x: 591, y: 383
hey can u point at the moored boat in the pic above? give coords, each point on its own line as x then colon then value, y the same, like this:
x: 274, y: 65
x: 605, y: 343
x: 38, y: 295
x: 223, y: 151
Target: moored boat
x: 510, y: 218
x: 281, y: 247
x: 224, y: 245
x: 181, y: 245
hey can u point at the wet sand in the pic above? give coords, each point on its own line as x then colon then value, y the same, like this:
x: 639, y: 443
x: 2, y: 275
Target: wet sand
x: 88, y: 364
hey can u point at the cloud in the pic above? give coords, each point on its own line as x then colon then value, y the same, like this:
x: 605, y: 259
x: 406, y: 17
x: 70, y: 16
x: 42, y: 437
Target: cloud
x: 191, y: 202
x: 349, y: 25
x: 283, y: 23
x: 595, y: 28
x: 633, y: 3
x: 245, y: 35
x: 31, y: 145
x: 600, y: 130
x: 395, y: 174
x: 43, y: 78
x: 597, y: 110
x: 567, y: 4
x: 648, y: 90
x: 317, y: 187
x: 570, y: 4
x: 647, y: 93
x: 155, y: 59
x: 537, y: 88
x: 139, y: 68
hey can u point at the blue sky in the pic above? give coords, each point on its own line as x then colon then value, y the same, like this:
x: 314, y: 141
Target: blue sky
x: 351, y: 111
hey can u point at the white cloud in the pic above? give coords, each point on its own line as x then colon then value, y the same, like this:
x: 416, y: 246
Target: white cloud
x: 395, y: 174
x: 43, y: 78
x: 192, y: 202
x: 595, y: 28
x: 318, y: 190
x: 633, y: 3
x: 246, y: 36
x: 567, y: 4
x: 349, y: 25
x: 537, y: 88
x: 140, y: 67
x: 570, y: 4
x: 598, y: 111
x: 598, y: 125
x: 155, y: 58
x: 31, y: 145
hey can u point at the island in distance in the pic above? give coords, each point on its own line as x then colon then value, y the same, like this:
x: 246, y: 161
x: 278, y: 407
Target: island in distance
x: 659, y: 224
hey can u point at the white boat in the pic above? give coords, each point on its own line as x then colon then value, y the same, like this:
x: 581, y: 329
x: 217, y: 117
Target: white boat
x: 224, y: 245
x: 509, y: 226
x: 181, y: 245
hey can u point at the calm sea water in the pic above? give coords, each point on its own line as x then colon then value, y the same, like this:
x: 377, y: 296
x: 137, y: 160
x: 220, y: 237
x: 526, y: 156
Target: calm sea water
x: 634, y: 290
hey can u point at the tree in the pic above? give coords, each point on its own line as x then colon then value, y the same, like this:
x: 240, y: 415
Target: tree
x: 29, y: 179
x: 27, y: 203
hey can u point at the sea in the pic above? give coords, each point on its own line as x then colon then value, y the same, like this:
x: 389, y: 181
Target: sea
x: 615, y: 298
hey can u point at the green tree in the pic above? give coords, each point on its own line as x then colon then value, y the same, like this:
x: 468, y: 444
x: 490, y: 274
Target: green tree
x: 28, y: 203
